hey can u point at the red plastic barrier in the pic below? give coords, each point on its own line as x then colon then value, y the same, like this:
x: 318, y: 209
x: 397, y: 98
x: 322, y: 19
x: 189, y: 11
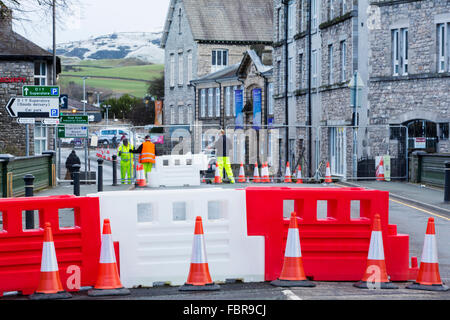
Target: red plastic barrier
x: 21, y: 250
x: 335, y: 248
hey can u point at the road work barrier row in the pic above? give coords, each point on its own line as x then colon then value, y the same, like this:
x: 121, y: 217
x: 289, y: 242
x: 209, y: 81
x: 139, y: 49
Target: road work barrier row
x: 76, y: 246
x: 245, y: 235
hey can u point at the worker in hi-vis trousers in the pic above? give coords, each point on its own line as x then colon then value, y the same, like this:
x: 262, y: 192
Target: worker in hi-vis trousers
x: 146, y: 155
x: 222, y: 157
x: 126, y: 162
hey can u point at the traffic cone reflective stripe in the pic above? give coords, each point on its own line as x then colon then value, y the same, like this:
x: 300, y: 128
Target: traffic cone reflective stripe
x: 256, y: 174
x: 266, y: 173
x: 380, y: 171
x: 217, y: 177
x: 328, y: 174
x: 50, y: 286
x: 199, y: 278
x: 140, y: 176
x: 108, y: 280
x: 299, y: 175
x: 241, y: 173
x: 375, y: 275
x: 292, y: 273
x: 429, y: 277
x: 287, y: 176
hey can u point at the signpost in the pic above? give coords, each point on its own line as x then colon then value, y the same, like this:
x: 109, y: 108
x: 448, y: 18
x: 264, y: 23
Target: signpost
x: 33, y: 107
x: 356, y: 84
x: 40, y: 91
x: 72, y: 131
x: 75, y: 119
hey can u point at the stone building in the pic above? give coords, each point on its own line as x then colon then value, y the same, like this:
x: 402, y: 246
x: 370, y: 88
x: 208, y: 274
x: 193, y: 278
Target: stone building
x: 204, y: 36
x: 217, y: 93
x: 399, y: 50
x: 22, y: 63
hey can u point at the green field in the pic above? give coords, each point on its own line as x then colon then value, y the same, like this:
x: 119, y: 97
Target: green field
x: 110, y: 69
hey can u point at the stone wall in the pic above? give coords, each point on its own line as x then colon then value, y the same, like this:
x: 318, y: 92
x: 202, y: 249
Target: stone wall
x: 12, y: 137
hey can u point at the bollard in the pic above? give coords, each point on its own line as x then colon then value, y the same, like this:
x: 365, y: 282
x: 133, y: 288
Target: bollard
x: 447, y: 182
x: 29, y: 215
x: 114, y: 168
x: 76, y: 179
x: 100, y: 175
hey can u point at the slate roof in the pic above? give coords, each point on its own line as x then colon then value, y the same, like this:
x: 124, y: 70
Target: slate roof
x: 249, y: 21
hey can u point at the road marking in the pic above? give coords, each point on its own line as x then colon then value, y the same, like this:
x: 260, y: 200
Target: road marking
x: 290, y: 295
x: 420, y: 209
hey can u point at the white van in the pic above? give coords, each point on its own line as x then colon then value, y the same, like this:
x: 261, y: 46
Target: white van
x: 106, y: 136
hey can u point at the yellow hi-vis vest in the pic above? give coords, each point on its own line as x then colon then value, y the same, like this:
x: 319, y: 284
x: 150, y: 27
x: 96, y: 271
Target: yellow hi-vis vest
x: 147, y: 153
x: 126, y: 155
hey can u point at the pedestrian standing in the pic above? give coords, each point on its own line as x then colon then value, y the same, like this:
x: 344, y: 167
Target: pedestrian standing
x: 70, y: 161
x: 146, y: 155
x: 222, y: 155
x: 126, y: 162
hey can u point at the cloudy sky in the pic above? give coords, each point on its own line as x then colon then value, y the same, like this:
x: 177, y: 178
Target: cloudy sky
x: 97, y: 17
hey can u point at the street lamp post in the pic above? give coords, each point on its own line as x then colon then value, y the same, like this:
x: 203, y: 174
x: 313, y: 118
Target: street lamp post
x: 87, y: 138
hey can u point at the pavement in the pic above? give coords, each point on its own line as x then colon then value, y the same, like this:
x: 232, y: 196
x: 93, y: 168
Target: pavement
x: 424, y: 196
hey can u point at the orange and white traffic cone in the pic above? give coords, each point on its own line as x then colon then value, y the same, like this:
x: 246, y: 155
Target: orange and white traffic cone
x: 292, y: 273
x: 428, y: 277
x: 328, y: 174
x: 108, y: 280
x: 217, y: 177
x: 241, y: 177
x: 108, y: 155
x: 265, y: 173
x: 140, y: 176
x: 199, y: 278
x: 256, y: 174
x: 380, y: 171
x: 375, y: 276
x: 50, y: 286
x: 299, y: 175
x: 287, y: 176
x: 103, y: 155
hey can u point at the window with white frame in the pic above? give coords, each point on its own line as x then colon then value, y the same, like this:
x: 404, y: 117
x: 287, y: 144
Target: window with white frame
x: 40, y: 73
x: 180, y: 69
x: 343, y: 47
x: 227, y: 101
x: 172, y: 70
x: 270, y: 98
x: 172, y: 114
x: 217, y: 104
x: 203, y: 103
x: 330, y: 64
x: 291, y: 19
x: 40, y: 139
x: 189, y: 67
x: 190, y: 114
x: 291, y: 74
x: 219, y: 59
x: 300, y: 70
x: 314, y: 68
x: 314, y: 14
x: 399, y: 51
x: 180, y: 114
x: 443, y: 46
x: 331, y: 10
x: 343, y: 7
x: 279, y: 80
x: 210, y: 102
x: 280, y: 24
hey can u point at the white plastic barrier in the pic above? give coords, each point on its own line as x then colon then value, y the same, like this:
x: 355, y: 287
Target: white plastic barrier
x: 177, y: 170
x: 155, y: 230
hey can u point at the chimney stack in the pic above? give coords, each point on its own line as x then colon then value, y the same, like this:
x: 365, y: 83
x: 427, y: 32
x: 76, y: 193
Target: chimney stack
x: 5, y: 19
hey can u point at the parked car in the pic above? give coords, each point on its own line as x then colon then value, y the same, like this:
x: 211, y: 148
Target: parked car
x: 106, y: 136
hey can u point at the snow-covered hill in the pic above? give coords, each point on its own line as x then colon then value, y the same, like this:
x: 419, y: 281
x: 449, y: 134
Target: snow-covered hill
x: 121, y: 45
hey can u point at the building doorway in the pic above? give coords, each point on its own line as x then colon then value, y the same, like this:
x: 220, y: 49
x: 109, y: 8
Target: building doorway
x: 422, y: 135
